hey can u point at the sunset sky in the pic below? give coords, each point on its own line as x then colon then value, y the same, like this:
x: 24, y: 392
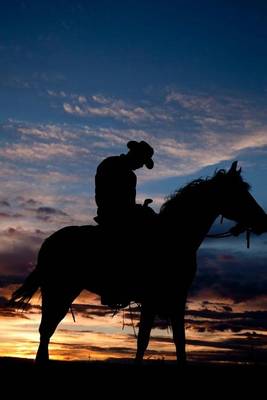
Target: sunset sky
x: 78, y: 79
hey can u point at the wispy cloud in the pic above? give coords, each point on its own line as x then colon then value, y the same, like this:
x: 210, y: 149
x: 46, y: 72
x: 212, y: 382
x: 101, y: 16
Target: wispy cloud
x: 101, y: 106
x: 177, y: 158
x: 222, y: 112
x: 115, y: 111
x: 176, y: 154
x: 47, y: 132
x: 41, y: 151
x: 54, y: 93
x: 193, y: 102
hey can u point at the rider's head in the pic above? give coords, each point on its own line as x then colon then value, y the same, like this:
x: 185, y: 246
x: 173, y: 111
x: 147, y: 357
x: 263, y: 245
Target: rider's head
x: 140, y: 154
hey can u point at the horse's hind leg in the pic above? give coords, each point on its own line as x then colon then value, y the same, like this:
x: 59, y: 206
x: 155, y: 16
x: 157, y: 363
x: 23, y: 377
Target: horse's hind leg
x: 146, y: 322
x: 178, y: 329
x: 54, y: 308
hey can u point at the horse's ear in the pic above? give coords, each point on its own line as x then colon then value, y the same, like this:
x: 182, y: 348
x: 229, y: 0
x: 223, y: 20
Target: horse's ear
x: 233, y: 169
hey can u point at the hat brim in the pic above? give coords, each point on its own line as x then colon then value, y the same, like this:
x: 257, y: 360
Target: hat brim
x: 149, y: 163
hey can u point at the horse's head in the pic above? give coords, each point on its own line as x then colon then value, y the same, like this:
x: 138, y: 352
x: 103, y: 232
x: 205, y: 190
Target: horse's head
x: 237, y: 204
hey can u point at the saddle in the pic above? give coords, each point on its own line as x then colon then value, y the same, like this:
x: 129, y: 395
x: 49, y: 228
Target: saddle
x: 129, y: 245
x: 139, y: 218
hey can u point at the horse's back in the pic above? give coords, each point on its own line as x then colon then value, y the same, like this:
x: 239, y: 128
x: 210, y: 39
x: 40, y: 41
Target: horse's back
x: 66, y: 243
x: 71, y: 230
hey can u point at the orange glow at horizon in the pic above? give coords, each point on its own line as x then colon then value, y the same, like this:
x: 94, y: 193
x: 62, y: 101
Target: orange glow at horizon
x: 101, y: 337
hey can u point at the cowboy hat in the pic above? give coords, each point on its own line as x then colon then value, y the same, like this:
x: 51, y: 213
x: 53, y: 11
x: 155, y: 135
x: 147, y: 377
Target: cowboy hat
x: 143, y: 149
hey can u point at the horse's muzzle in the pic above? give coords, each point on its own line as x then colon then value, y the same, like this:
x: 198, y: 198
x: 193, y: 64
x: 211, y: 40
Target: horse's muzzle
x: 261, y: 226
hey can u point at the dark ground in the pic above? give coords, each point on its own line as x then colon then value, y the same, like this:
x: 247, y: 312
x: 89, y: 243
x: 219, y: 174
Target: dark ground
x: 123, y: 379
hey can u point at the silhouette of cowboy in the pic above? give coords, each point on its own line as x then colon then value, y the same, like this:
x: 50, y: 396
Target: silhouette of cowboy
x: 115, y: 187
x: 117, y: 212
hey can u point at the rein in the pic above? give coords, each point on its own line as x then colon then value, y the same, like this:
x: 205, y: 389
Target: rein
x: 230, y: 233
x: 220, y: 235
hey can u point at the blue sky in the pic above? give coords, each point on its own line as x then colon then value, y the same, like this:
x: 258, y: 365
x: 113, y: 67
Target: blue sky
x: 79, y: 79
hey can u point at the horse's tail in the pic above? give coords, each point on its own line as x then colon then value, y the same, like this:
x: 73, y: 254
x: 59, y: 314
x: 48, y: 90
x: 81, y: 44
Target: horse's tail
x: 22, y: 296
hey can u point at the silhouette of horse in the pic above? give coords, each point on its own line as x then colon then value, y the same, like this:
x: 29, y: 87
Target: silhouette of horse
x: 164, y: 264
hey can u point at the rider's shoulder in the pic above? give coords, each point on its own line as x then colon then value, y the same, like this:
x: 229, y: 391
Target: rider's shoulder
x: 109, y: 162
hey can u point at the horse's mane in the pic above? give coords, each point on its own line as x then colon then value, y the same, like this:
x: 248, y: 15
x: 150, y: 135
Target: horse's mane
x: 188, y: 192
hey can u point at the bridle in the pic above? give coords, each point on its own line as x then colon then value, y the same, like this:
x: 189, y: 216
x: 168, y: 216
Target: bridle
x: 235, y: 231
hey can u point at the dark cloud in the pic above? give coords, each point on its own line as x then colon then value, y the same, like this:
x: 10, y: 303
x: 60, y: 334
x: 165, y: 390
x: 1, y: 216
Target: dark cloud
x: 6, y: 311
x: 19, y: 202
x: 245, y: 347
x: 47, y: 213
x: 227, y: 308
x: 246, y: 356
x: 28, y: 204
x: 242, y: 342
x: 214, y: 321
x: 4, y: 203
x: 119, y: 351
x: 10, y: 215
x: 97, y: 349
x: 7, y: 280
x: 31, y: 202
x: 18, y: 256
x: 235, y: 275
x: 20, y: 261
x: 91, y: 310
x: 218, y: 306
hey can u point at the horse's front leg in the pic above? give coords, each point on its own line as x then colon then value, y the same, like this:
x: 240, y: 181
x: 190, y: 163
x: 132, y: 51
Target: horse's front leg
x: 178, y: 329
x: 146, y: 322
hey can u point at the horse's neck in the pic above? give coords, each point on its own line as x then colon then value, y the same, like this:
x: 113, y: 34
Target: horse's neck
x: 203, y: 223
x: 191, y: 224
